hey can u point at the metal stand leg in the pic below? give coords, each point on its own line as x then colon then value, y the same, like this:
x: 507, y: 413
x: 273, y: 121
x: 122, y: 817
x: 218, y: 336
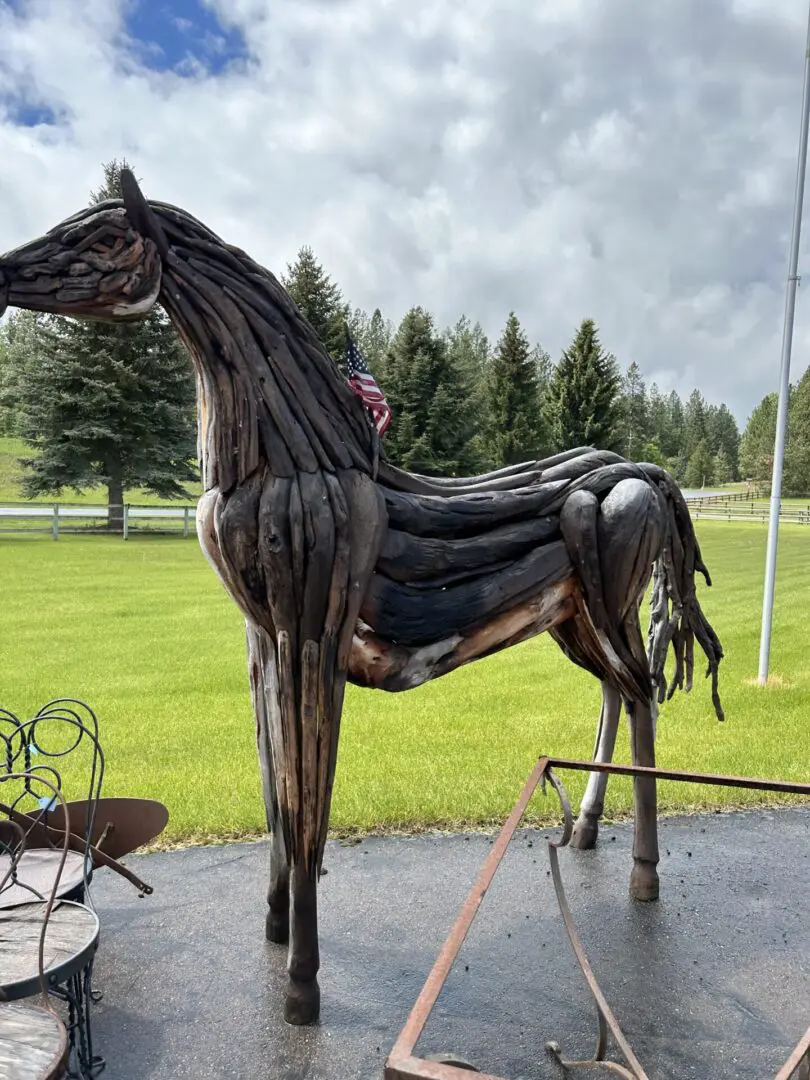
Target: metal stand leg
x: 78, y: 993
x: 800, y: 1068
x: 604, y: 1014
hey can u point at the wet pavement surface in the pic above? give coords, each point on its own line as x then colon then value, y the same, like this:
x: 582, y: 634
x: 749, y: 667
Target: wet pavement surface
x: 711, y: 982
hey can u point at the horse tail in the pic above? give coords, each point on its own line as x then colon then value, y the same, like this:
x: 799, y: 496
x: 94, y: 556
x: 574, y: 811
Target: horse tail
x: 676, y: 617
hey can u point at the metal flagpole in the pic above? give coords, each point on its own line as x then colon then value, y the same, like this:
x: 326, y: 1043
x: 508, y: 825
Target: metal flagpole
x: 784, y: 382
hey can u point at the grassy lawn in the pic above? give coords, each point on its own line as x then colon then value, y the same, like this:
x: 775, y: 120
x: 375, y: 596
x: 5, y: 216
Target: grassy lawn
x: 145, y: 633
x: 11, y: 450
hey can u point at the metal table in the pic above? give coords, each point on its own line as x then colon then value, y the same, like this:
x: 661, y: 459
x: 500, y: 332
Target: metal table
x: 403, y: 1063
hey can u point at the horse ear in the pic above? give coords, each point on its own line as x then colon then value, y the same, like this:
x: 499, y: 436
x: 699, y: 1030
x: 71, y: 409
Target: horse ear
x: 141, y: 214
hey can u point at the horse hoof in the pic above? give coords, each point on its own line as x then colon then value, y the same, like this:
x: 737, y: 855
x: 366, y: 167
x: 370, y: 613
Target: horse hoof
x: 585, y: 833
x: 277, y: 928
x: 303, y: 1003
x: 644, y: 881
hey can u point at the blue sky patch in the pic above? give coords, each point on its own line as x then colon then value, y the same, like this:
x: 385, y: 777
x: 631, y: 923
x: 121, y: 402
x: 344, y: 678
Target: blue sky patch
x: 27, y: 113
x: 183, y: 36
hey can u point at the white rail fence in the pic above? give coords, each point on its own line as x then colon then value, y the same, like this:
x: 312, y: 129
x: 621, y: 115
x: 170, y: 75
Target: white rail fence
x: 58, y: 518
x: 179, y: 519
x: 796, y: 515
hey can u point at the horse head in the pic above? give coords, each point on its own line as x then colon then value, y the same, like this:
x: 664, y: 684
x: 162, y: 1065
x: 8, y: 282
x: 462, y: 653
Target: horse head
x: 104, y: 263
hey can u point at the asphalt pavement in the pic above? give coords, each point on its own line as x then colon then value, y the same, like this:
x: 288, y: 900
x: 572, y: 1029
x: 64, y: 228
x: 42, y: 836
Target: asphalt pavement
x: 711, y: 982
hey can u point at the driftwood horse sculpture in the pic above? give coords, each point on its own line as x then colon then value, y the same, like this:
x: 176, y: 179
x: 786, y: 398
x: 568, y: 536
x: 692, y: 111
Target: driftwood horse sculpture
x: 348, y: 568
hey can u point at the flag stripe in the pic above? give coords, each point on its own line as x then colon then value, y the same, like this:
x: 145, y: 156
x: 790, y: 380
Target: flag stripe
x: 365, y: 386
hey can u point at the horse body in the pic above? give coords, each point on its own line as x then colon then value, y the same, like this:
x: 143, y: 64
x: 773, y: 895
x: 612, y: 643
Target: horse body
x: 346, y: 568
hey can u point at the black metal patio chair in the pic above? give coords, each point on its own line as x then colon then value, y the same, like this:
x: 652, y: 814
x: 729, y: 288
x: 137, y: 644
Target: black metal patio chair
x: 34, y: 1041
x: 65, y: 733
x: 36, y: 862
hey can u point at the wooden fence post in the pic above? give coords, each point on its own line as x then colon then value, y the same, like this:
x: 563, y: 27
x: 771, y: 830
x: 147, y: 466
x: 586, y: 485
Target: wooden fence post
x: 185, y: 521
x: 126, y: 521
x: 55, y: 522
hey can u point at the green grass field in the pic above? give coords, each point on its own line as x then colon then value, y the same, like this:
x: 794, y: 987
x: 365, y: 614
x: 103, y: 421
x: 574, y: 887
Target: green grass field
x: 145, y: 633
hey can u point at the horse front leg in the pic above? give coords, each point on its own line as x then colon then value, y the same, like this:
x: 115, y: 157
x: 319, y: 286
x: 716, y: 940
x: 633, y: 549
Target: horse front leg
x: 644, y: 878
x: 277, y: 926
x: 320, y: 534
x: 303, y: 1001
x: 264, y: 692
x: 592, y: 807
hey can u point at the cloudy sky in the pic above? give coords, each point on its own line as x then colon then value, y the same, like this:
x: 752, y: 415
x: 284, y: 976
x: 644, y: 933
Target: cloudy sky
x: 625, y: 159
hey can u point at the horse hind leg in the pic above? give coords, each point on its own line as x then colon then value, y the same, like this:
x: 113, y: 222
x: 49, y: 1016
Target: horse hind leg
x: 631, y: 532
x: 586, y: 828
x: 644, y: 877
x: 264, y: 692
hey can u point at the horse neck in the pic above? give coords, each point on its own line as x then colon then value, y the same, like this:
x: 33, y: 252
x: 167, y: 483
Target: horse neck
x: 270, y: 396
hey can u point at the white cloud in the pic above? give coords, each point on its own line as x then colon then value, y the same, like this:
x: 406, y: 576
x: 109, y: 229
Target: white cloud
x: 615, y: 158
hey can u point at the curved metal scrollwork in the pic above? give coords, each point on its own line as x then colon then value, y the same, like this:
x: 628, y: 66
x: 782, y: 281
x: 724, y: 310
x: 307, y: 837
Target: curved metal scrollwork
x: 64, y: 727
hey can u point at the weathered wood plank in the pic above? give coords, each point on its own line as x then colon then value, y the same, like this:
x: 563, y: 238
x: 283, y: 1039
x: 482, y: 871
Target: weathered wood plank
x: 409, y: 616
x: 408, y: 558
x: 463, y: 516
x: 383, y: 665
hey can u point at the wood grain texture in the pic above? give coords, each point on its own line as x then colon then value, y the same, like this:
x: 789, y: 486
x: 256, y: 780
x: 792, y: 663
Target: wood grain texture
x: 71, y: 929
x: 33, y: 1042
x: 347, y: 567
x: 35, y: 875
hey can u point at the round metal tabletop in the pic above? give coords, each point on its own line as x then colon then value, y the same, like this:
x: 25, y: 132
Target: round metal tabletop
x: 35, y: 874
x: 33, y: 1042
x: 71, y: 940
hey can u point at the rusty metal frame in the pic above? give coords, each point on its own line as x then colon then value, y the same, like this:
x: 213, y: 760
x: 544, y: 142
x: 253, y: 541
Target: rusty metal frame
x: 404, y: 1064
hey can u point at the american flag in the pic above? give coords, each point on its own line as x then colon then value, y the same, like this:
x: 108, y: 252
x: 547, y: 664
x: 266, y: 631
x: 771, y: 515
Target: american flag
x: 365, y: 386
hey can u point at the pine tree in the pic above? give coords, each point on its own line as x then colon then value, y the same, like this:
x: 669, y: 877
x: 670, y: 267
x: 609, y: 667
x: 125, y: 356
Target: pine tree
x: 674, y: 446
x: 7, y: 407
x: 320, y: 301
x: 757, y: 443
x: 651, y: 454
x: 109, y: 403
x: 514, y: 412
x: 111, y: 188
x: 665, y: 424
x: 545, y: 370
x: 468, y: 346
x: 544, y: 367
x: 695, y: 425
x: 724, y: 436
x: 373, y: 335
x: 722, y: 468
x: 678, y: 465
x: 700, y: 470
x: 583, y: 396
x: 430, y: 430
x: 634, y: 415
x: 468, y: 351
x: 796, y: 477
x: 18, y: 351
x: 657, y: 417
